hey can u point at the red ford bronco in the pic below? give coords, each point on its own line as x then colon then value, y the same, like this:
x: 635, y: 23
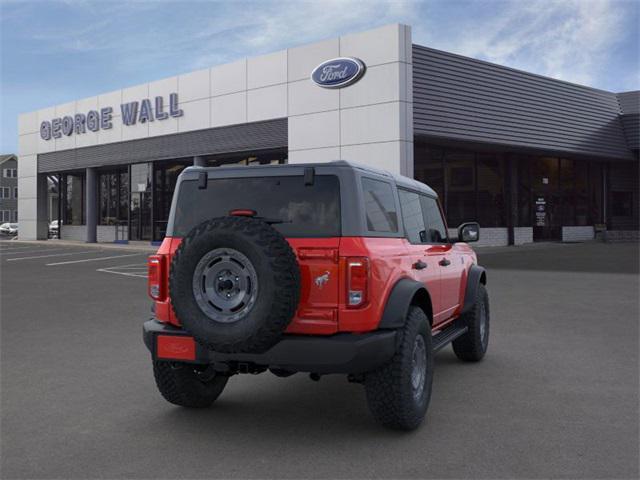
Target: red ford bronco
x: 321, y: 268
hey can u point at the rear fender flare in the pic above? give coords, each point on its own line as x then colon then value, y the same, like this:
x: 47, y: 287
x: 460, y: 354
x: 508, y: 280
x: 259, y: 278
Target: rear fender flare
x: 405, y: 292
x: 477, y: 275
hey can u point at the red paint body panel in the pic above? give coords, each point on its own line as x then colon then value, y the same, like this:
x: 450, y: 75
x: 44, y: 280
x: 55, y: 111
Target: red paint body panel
x: 323, y: 297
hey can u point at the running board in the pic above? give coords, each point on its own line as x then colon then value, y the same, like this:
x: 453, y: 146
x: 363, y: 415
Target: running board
x: 448, y: 335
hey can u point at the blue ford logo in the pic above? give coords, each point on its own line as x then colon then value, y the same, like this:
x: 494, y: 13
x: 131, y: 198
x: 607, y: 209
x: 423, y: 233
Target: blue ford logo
x: 338, y: 73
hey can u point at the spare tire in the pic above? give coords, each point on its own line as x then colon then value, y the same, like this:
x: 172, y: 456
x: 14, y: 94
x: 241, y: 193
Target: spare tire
x: 234, y: 284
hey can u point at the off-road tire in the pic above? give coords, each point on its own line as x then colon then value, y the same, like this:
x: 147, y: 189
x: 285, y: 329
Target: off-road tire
x: 278, y: 287
x: 182, y: 384
x: 472, y: 346
x: 389, y: 390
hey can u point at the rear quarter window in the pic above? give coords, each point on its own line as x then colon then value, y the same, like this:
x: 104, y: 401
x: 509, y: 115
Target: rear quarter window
x: 303, y: 210
x: 380, y: 206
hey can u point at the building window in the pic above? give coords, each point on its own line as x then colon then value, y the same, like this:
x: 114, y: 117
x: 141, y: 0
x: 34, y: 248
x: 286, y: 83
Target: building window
x: 15, y: 215
x: 460, y: 187
x: 623, y: 201
x: 380, y: 208
x: 5, y: 192
x: 523, y: 176
x: 491, y: 198
x: 596, y: 193
x: 429, y: 167
x: 622, y: 204
x: 73, y: 191
x: 15, y: 192
x: 113, y: 188
x: 6, y: 215
x: 10, y: 173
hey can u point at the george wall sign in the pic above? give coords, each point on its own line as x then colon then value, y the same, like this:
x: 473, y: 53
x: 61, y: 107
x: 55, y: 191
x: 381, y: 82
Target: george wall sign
x: 338, y: 72
x: 94, y: 120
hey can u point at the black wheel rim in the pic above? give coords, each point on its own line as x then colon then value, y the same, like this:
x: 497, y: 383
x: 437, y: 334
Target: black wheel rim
x: 225, y: 285
x: 418, y: 367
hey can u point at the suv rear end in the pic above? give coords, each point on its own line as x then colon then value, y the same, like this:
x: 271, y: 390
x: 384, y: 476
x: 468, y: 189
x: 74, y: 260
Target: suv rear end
x: 305, y: 205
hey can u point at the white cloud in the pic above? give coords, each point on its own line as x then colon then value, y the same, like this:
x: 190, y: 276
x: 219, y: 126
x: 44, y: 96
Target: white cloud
x: 274, y: 25
x: 569, y: 40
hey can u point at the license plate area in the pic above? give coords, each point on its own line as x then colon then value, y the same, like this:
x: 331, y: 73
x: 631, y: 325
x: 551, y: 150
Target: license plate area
x: 174, y: 347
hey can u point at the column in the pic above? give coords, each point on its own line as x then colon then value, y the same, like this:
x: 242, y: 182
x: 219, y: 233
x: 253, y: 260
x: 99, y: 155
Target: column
x: 512, y: 196
x: 91, y: 207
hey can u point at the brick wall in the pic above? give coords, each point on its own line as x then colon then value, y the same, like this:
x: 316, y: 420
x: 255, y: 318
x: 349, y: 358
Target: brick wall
x: 489, y: 237
x: 577, y: 234
x: 614, y: 236
x: 74, y: 232
x: 522, y: 235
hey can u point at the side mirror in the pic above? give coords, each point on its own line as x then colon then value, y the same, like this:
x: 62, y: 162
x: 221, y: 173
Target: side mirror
x: 469, y: 232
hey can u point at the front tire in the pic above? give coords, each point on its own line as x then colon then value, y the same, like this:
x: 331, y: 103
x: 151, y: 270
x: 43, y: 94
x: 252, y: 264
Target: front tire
x: 472, y: 346
x: 398, y: 394
x: 187, y: 385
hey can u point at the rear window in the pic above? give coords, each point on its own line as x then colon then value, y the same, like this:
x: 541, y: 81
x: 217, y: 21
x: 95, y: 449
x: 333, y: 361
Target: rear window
x: 304, y: 210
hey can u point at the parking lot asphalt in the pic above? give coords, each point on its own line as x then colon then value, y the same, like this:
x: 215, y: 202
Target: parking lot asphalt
x: 556, y: 396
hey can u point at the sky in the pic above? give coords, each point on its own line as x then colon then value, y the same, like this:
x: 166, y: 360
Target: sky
x: 55, y: 51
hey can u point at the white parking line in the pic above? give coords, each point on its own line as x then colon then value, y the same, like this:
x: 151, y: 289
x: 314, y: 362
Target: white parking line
x: 91, y: 259
x: 47, y: 256
x: 39, y: 250
x: 20, y: 249
x: 129, y: 270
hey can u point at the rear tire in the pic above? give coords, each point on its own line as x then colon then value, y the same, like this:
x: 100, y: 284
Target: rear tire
x: 472, y: 346
x: 185, y: 385
x: 398, y: 393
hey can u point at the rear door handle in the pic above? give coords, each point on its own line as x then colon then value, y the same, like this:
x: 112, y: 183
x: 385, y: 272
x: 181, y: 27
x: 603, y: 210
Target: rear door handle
x: 419, y: 265
x: 444, y: 262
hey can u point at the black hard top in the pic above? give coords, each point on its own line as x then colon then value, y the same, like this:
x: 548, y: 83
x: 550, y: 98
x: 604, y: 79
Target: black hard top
x: 324, y: 168
x: 349, y: 174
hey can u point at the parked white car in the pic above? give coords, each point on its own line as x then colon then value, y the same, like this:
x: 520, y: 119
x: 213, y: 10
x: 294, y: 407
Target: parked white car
x: 9, y: 229
x: 54, y: 229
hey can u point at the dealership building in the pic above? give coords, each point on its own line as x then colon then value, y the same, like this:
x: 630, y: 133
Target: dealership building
x: 530, y: 158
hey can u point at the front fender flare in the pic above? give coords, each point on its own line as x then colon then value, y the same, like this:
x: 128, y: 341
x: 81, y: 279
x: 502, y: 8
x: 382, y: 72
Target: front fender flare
x: 401, y: 297
x: 477, y: 275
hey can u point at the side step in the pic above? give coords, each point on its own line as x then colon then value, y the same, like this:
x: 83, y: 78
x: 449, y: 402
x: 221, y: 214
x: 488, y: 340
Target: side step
x: 448, y: 335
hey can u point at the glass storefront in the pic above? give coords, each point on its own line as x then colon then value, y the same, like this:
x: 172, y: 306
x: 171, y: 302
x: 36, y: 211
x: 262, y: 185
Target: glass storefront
x: 545, y: 192
x: 113, y: 197
x: 470, y: 185
x: 140, y: 219
x: 73, y: 198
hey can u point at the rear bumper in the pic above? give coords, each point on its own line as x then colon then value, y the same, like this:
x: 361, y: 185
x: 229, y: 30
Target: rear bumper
x: 339, y: 353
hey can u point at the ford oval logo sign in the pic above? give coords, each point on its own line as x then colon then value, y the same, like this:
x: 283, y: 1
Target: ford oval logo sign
x: 338, y: 73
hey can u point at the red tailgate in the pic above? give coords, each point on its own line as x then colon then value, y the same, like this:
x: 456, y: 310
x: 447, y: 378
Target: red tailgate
x: 319, y: 285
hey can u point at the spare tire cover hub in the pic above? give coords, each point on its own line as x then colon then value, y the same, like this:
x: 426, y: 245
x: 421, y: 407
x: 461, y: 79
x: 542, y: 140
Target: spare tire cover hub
x: 225, y: 285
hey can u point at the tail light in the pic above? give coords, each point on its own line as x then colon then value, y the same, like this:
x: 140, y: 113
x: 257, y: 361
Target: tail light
x: 156, y: 277
x: 357, y: 281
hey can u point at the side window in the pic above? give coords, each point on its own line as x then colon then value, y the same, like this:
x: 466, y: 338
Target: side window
x: 436, y: 231
x: 412, y: 217
x: 380, y: 207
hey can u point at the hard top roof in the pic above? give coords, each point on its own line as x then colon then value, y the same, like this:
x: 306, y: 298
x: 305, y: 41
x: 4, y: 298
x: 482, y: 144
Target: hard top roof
x: 400, y: 180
